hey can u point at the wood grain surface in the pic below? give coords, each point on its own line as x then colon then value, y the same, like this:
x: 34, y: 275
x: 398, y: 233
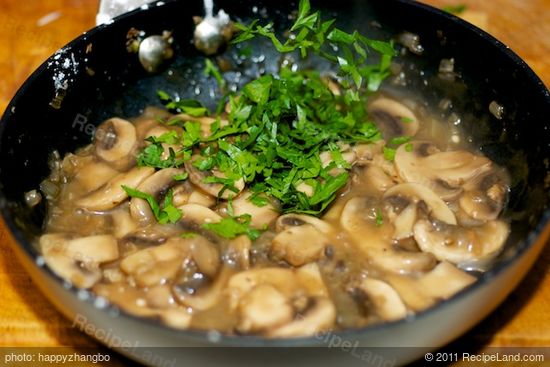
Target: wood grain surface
x: 32, y: 30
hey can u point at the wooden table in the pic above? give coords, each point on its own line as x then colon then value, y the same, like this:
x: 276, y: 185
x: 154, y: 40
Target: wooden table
x: 31, y: 31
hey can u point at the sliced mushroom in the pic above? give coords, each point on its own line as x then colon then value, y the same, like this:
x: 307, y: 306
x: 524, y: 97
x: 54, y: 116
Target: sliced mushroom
x: 302, y: 289
x: 372, y: 178
x: 442, y: 282
x: 386, y: 301
x: 484, y: 196
x: 153, y: 265
x: 393, y: 118
x: 156, y: 265
x: 261, y: 216
x: 367, y: 151
x: 461, y: 245
x: 418, y: 193
x: 77, y: 259
x: 205, y: 298
x: 359, y: 219
x: 442, y: 172
x: 123, y: 224
x: 263, y: 308
x: 299, y: 245
x: 94, y: 175
x: 287, y: 221
x: 237, y: 252
x: 198, y: 215
x: 197, y: 177
x: 319, y: 316
x: 116, y: 143
x: 112, y: 194
x: 137, y: 302
x: 154, y: 185
x: 404, y: 222
x: 187, y: 193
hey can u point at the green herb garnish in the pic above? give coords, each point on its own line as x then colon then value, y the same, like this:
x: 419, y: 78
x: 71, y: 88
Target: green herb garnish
x: 379, y: 218
x: 279, y: 127
x: 212, y: 70
x: 231, y: 227
x: 311, y: 34
x: 168, y: 213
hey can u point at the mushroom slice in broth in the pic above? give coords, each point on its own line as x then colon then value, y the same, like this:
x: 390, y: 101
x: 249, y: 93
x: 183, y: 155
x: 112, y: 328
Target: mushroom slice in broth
x: 155, y: 185
x: 393, y: 118
x: 116, y: 143
x: 77, y: 259
x: 442, y: 172
x: 112, y: 194
x: 305, y: 307
x: 460, y: 245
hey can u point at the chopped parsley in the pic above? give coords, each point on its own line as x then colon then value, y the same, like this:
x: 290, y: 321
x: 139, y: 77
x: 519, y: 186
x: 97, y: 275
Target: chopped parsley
x: 310, y: 34
x: 231, y: 227
x: 278, y: 127
x: 168, y: 213
x: 379, y: 219
x: 212, y: 70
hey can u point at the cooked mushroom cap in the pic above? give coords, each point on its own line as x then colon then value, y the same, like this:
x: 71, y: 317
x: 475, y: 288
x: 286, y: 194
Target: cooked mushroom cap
x: 287, y: 221
x: 359, y: 217
x: 284, y: 287
x: 388, y: 305
x: 442, y: 172
x: 77, y: 259
x: 415, y: 192
x: 136, y: 302
x: 261, y: 216
x: 372, y: 177
x: 116, y: 142
x: 262, y: 308
x: 299, y: 245
x: 204, y: 298
x: 94, y: 175
x: 484, y: 197
x: 393, y: 118
x: 111, y: 194
x: 155, y: 265
x: 154, y: 185
x: 461, y: 245
x: 441, y: 283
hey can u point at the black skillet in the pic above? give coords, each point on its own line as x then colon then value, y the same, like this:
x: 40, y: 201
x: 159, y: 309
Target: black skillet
x: 94, y: 78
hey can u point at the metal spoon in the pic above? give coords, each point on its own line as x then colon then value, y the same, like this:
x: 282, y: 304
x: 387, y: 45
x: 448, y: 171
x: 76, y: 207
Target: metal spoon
x: 212, y: 32
x: 154, y: 51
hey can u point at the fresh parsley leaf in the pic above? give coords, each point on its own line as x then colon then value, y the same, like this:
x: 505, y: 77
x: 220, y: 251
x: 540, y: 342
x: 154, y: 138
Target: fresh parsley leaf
x: 231, y: 227
x: 389, y: 153
x: 310, y: 34
x: 181, y: 177
x: 167, y: 214
x: 379, y: 218
x: 189, y: 235
x: 212, y: 70
x: 189, y: 106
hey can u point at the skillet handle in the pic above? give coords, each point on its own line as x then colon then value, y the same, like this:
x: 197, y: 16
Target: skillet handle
x: 108, y: 9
